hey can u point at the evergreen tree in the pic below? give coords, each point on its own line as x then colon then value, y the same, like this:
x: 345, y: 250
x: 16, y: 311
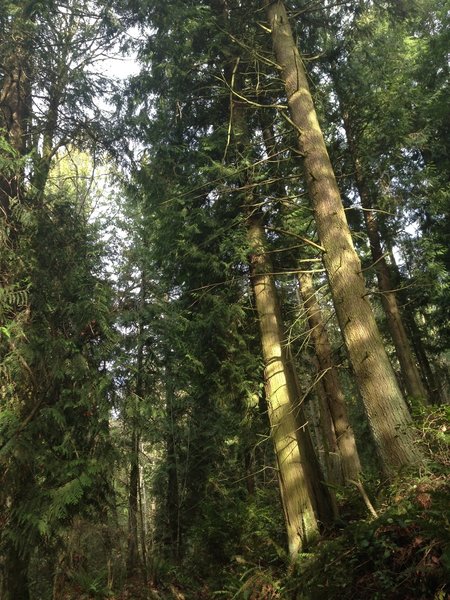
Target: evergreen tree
x: 386, y: 410
x: 54, y: 401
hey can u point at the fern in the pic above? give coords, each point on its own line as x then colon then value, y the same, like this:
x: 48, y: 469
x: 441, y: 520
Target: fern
x: 11, y: 297
x: 62, y: 498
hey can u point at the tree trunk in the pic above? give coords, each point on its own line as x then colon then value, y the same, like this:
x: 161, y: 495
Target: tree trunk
x: 351, y: 467
x: 285, y: 412
x: 15, y: 584
x: 333, y: 456
x: 15, y: 101
x: 385, y: 407
x: 322, y: 433
x: 143, y: 522
x: 133, y: 509
x: 301, y: 522
x: 323, y: 500
x: 173, y: 499
x: 411, y: 376
x: 434, y: 390
x: 296, y: 493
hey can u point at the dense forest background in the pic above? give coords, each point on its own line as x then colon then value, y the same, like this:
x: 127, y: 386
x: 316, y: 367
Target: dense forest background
x: 224, y: 313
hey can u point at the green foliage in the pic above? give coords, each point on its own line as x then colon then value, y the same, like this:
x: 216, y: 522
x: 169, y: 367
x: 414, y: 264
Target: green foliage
x: 89, y: 586
x: 254, y: 584
x: 11, y: 298
x: 435, y: 436
x: 56, y: 330
x: 181, y: 365
x: 401, y: 554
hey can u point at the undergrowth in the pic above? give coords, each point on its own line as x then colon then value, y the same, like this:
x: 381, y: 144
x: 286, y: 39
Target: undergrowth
x: 402, y: 554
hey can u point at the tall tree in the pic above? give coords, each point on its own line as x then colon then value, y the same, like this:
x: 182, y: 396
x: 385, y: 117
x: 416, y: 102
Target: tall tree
x: 339, y: 433
x: 47, y: 248
x: 410, y: 372
x: 385, y: 407
x: 351, y: 467
x: 301, y: 522
x: 305, y: 499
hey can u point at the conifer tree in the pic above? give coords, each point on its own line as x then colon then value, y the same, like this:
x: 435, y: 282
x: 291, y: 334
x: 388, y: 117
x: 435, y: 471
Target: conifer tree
x: 385, y: 406
x: 54, y: 401
x: 336, y: 404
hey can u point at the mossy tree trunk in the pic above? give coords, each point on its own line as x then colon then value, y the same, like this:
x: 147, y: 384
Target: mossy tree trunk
x: 385, y: 407
x: 301, y: 522
x: 351, y: 466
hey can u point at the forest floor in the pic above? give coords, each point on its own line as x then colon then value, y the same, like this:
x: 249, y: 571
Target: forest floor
x: 136, y: 591
x: 403, y: 554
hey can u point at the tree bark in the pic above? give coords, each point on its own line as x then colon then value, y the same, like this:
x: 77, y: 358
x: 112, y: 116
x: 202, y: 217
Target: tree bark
x: 323, y: 500
x: 173, y: 495
x: 15, y: 103
x: 434, y: 390
x: 322, y: 432
x: 410, y: 372
x: 331, y: 448
x: 385, y: 407
x: 133, y: 560
x: 351, y: 466
x: 301, y: 522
